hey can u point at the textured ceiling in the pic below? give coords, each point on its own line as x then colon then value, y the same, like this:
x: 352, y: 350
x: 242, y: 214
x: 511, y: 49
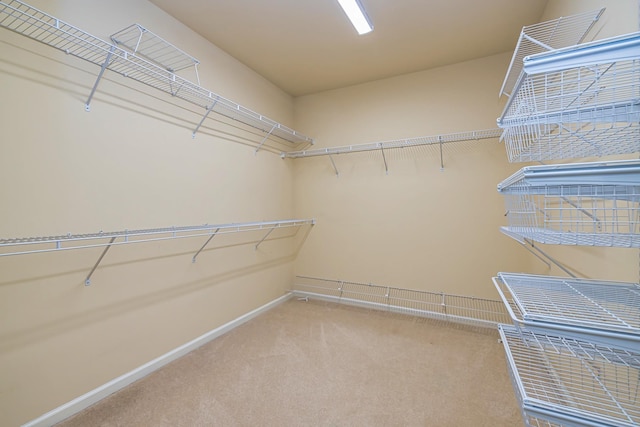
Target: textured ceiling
x: 307, y: 46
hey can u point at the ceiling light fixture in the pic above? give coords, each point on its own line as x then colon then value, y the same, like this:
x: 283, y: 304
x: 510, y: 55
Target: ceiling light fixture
x: 356, y: 14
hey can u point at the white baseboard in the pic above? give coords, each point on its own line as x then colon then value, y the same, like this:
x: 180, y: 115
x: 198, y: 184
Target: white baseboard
x: 78, y: 404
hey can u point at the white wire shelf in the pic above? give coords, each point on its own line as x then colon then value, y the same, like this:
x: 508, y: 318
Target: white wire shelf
x: 555, y: 34
x: 576, y: 102
x: 439, y: 140
x: 143, y: 42
x: 596, y: 310
x: 435, y: 305
x: 32, y: 245
x: 37, y: 25
x: 590, y: 204
x: 572, y: 382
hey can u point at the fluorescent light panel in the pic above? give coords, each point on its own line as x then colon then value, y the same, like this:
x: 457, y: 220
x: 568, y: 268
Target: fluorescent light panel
x: 355, y: 13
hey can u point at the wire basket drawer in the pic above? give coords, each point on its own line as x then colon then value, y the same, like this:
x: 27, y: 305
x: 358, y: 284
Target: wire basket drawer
x: 572, y: 382
x: 576, y: 102
x: 590, y: 204
x: 602, y: 311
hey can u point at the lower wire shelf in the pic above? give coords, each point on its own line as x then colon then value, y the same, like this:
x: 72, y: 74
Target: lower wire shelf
x: 566, y: 381
x: 601, y: 311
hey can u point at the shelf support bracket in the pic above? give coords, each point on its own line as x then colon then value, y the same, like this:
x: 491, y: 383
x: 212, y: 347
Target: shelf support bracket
x: 265, y: 138
x: 107, y: 61
x: 209, y: 109
x: 547, y: 256
x: 193, y: 260
x: 334, y: 165
x: 384, y: 158
x: 264, y: 238
x: 87, y: 281
x: 441, y: 156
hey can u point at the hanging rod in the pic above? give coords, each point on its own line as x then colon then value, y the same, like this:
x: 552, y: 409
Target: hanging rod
x: 28, y: 21
x: 397, y: 143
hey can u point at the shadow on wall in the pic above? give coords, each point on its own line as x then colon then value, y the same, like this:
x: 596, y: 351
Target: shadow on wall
x: 185, y: 115
x: 52, y: 327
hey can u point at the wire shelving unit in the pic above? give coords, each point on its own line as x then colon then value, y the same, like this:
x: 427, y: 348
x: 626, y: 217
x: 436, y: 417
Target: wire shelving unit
x: 30, y: 22
x: 32, y: 245
x: 434, y: 140
x: 580, y: 101
x: 590, y: 204
x: 595, y: 310
x: 572, y: 382
x: 550, y: 35
x: 435, y: 305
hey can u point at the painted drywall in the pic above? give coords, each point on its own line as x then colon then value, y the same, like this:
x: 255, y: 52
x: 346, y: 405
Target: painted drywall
x: 418, y: 226
x: 130, y: 163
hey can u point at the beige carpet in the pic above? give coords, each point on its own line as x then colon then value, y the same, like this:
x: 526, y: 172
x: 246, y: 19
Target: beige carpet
x: 322, y: 364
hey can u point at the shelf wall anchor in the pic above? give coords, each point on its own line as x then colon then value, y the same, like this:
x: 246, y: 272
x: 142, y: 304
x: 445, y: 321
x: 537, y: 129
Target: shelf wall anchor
x: 265, y: 138
x: 334, y: 165
x: 193, y: 260
x: 107, y: 61
x: 87, y: 281
x: 265, y: 237
x: 209, y: 109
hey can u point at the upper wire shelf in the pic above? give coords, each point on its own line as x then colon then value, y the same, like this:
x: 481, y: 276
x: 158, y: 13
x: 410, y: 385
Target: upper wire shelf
x: 580, y: 101
x: 591, y: 204
x: 35, y: 24
x: 571, y: 381
x: 555, y: 34
x: 143, y: 42
x: 596, y: 310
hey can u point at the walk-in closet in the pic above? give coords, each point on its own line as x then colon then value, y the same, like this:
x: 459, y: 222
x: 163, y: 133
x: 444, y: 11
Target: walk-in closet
x: 314, y: 213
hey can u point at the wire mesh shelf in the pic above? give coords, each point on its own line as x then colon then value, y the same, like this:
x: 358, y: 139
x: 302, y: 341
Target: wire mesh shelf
x: 144, y: 42
x: 596, y: 310
x: 576, y: 102
x: 555, y: 34
x: 434, y: 305
x: 590, y: 204
x: 35, y: 24
x: 28, y: 245
x: 574, y: 382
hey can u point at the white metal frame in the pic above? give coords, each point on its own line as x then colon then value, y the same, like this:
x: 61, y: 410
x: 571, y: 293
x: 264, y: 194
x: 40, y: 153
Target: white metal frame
x: 435, y: 305
x: 590, y: 204
x: 40, y: 26
x: 550, y: 35
x: 31, y: 245
x: 439, y: 140
x: 596, y: 310
x: 572, y: 382
x: 576, y: 102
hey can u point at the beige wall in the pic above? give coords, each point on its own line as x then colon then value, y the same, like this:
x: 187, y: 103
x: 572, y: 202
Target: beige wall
x: 129, y: 163
x: 417, y: 227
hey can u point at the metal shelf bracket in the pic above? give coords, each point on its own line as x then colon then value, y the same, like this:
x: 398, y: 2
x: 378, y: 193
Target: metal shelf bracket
x: 265, y: 237
x: 193, y: 260
x: 103, y: 67
x: 87, y: 281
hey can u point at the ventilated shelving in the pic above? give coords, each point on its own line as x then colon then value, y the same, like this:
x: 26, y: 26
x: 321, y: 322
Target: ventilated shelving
x: 31, y: 245
x: 589, y: 204
x: 435, y: 305
x: 148, y: 63
x: 571, y: 382
x: 434, y: 140
x: 596, y: 310
x: 580, y: 101
x: 545, y: 36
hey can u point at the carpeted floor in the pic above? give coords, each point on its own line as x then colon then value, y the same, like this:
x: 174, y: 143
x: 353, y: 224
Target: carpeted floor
x: 321, y: 364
